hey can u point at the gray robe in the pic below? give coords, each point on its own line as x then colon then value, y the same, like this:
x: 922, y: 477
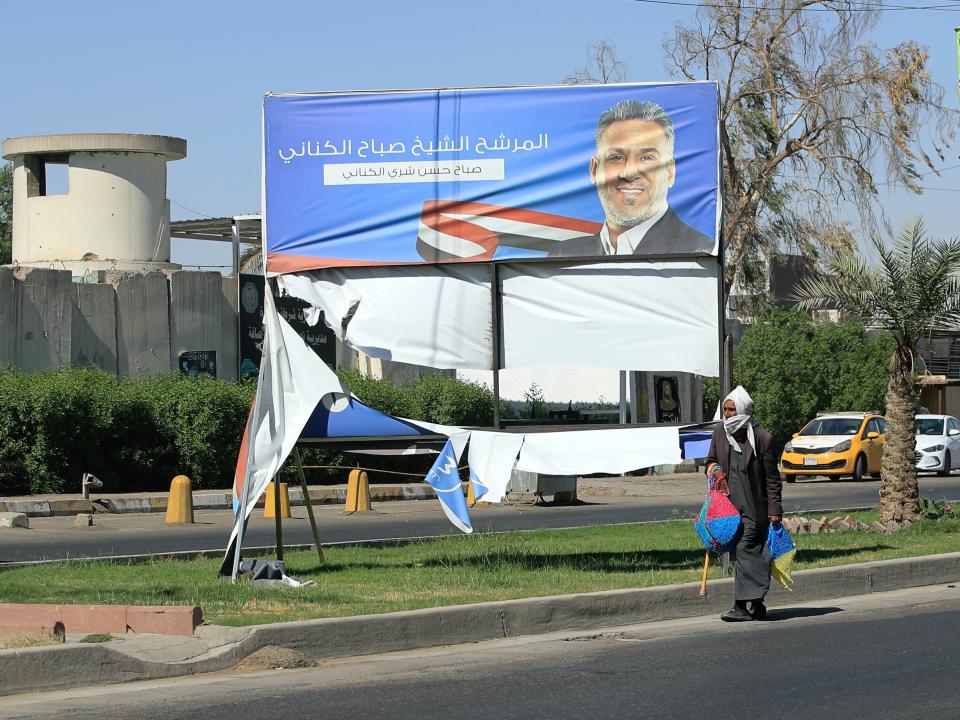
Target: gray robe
x: 755, y: 490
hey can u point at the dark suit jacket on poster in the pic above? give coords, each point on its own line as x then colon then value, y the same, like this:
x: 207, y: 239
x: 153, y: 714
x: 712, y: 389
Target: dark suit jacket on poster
x: 668, y: 235
x: 762, y: 467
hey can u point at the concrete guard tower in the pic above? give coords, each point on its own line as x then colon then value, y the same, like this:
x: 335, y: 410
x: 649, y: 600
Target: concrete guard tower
x: 114, y: 214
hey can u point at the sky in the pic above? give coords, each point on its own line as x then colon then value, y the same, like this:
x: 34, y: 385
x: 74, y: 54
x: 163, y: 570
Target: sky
x: 199, y: 70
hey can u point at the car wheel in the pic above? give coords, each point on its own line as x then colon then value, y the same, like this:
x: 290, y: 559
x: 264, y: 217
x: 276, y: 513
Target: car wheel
x: 946, y: 465
x: 788, y: 478
x: 859, y: 468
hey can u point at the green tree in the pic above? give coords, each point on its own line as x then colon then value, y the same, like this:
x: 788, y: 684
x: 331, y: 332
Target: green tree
x: 251, y: 260
x: 794, y: 367
x: 910, y: 293
x: 6, y: 214
x: 811, y: 115
x: 536, y: 405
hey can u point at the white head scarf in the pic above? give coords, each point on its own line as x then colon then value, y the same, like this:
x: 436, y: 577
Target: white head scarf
x: 743, y: 419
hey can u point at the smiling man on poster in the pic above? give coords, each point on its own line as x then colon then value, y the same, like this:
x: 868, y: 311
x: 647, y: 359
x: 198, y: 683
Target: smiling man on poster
x: 632, y: 170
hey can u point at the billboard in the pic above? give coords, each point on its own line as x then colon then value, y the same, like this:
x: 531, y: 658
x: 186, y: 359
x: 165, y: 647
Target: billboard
x: 474, y: 175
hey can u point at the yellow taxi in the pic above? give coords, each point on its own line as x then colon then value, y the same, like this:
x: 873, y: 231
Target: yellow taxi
x: 836, y: 445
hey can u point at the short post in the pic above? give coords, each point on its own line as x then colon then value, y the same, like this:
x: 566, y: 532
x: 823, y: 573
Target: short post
x: 471, y: 495
x: 276, y: 496
x: 358, y: 492
x: 180, y: 501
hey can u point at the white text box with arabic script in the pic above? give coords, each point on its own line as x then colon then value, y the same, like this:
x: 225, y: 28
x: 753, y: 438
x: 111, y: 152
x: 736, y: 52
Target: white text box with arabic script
x: 412, y: 172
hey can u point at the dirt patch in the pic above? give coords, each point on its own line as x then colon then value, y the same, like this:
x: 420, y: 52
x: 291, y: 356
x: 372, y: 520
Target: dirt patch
x: 675, y: 486
x: 273, y: 658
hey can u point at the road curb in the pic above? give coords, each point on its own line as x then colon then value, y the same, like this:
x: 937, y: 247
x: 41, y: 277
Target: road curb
x: 201, y: 501
x: 65, y: 666
x: 156, y: 502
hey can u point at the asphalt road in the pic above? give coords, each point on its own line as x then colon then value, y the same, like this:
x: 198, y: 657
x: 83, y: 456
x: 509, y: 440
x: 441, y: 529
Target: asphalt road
x: 881, y: 656
x: 680, y: 496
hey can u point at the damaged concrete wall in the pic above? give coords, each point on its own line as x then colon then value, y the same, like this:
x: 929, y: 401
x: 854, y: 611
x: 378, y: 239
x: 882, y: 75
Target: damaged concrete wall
x: 199, y: 316
x: 44, y: 318
x: 8, y: 318
x: 143, y: 322
x: 130, y: 323
x: 135, y: 324
x: 94, y: 331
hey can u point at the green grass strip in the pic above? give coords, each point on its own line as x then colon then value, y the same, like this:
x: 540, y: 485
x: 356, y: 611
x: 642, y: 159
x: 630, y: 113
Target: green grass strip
x: 449, y: 571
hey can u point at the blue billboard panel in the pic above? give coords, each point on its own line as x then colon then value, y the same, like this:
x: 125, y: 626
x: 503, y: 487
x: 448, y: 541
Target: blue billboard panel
x: 410, y: 177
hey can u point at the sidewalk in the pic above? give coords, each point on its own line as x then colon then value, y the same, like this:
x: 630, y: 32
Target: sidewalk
x: 302, y: 644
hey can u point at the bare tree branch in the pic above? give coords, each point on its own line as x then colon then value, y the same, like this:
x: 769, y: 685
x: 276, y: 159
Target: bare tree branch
x: 807, y: 103
x: 603, y: 67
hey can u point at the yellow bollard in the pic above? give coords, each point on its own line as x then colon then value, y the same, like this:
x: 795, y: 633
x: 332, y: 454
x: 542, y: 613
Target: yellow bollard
x: 358, y: 492
x: 471, y: 496
x: 180, y: 501
x: 269, y: 504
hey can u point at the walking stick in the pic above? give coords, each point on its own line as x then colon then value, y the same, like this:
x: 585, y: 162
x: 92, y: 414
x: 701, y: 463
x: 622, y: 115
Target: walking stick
x: 703, y: 583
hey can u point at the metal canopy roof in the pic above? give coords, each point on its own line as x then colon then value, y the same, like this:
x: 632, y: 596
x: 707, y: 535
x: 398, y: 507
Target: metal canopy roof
x: 238, y: 229
x: 248, y: 229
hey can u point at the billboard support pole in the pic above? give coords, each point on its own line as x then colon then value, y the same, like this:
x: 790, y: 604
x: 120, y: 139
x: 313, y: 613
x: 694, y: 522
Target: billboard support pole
x: 623, y: 397
x: 495, y: 325
x: 247, y: 476
x: 278, y: 516
x: 722, y: 345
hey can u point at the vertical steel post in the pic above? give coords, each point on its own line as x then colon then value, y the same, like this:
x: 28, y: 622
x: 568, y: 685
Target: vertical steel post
x: 721, y: 282
x: 495, y: 325
x: 623, y: 397
x: 278, y: 520
x: 245, y: 493
x: 235, y: 237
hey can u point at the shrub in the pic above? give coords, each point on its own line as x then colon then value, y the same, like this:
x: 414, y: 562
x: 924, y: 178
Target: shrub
x: 133, y: 435
x: 794, y: 367
x: 432, y: 398
x: 379, y: 394
x: 448, y: 401
x: 201, y: 421
x: 137, y: 434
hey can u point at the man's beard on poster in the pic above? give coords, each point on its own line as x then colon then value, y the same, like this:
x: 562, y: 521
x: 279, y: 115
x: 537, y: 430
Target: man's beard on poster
x: 657, y: 202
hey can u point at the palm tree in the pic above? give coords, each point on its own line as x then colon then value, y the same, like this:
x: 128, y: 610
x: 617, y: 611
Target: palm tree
x: 911, y: 292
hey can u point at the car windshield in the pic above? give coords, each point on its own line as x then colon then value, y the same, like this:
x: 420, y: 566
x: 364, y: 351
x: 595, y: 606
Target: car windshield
x: 833, y: 426
x: 930, y: 426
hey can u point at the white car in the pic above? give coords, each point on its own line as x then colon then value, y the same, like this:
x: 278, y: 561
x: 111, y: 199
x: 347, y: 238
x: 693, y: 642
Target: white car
x: 938, y: 443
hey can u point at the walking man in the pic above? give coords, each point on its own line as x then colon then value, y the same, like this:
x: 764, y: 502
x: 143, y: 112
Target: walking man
x: 745, y: 452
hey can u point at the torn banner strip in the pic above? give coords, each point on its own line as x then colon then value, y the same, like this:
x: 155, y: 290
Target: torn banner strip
x: 641, y: 316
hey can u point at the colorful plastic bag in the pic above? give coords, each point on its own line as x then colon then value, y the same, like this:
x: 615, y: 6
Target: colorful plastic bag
x: 718, y: 521
x: 782, y: 552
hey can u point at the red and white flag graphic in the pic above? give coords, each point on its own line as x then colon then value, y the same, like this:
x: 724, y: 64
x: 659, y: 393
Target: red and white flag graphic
x: 454, y: 230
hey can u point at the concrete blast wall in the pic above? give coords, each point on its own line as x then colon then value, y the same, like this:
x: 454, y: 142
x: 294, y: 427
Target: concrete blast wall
x: 131, y: 324
x: 135, y: 324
